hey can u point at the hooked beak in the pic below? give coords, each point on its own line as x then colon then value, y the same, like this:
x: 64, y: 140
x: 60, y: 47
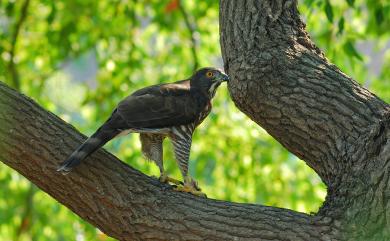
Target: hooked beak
x: 224, y: 77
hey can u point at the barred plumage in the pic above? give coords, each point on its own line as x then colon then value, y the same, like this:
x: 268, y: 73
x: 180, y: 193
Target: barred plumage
x: 167, y: 110
x: 181, y: 140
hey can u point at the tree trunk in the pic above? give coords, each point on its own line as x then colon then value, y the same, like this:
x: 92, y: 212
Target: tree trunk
x: 283, y: 83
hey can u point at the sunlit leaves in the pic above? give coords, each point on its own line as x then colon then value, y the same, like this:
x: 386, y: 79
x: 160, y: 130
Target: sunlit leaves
x: 356, y: 25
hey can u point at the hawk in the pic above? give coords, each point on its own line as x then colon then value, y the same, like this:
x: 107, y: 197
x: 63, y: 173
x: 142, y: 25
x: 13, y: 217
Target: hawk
x: 171, y: 110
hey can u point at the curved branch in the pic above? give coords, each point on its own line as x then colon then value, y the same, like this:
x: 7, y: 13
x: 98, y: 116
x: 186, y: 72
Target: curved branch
x: 283, y: 82
x: 123, y: 202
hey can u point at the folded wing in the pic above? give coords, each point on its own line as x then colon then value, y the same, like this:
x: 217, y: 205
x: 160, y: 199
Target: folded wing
x: 157, y: 109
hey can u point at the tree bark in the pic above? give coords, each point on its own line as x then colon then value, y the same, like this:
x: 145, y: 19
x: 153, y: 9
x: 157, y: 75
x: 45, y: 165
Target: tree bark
x: 283, y: 83
x: 125, y: 203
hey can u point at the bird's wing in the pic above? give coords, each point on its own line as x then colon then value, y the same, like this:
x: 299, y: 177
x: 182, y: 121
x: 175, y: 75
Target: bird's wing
x: 158, y: 107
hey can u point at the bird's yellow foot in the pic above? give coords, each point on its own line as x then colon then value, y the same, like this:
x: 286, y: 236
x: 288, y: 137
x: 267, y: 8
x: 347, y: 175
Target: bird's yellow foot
x: 190, y: 186
x: 191, y: 190
x: 166, y: 179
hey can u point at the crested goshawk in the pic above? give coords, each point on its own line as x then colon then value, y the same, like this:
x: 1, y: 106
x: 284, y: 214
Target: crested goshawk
x: 170, y: 110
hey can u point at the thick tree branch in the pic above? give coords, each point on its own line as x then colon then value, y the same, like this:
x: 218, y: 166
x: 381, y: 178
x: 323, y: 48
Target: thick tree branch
x: 25, y: 223
x: 125, y: 203
x: 283, y: 82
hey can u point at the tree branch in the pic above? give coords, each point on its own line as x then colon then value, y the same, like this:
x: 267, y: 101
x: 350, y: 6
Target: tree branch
x: 125, y: 203
x: 26, y: 217
x: 283, y: 82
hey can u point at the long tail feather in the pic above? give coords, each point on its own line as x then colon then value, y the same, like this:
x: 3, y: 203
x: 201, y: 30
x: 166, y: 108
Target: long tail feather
x: 97, y: 140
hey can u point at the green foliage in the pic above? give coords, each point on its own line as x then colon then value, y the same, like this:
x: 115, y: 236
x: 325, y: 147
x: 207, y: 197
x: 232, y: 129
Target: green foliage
x: 354, y: 34
x: 63, y: 46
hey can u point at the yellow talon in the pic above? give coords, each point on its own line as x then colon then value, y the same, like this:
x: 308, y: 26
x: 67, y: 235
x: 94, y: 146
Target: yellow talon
x: 166, y: 179
x: 190, y: 186
x: 191, y: 190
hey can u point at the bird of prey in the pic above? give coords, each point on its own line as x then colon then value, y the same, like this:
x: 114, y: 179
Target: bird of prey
x: 170, y: 110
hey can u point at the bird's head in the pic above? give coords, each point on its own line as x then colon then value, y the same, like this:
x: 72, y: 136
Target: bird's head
x: 207, y: 80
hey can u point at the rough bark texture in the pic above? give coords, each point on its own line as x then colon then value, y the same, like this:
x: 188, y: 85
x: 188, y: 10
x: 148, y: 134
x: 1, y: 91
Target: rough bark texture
x: 281, y: 81
x: 123, y: 202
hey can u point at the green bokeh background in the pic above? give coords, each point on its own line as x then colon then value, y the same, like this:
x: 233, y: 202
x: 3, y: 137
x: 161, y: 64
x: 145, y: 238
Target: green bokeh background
x: 78, y: 58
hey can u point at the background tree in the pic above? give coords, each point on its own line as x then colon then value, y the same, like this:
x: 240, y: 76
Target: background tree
x: 52, y: 47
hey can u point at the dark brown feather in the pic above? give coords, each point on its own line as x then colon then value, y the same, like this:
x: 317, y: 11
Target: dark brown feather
x: 160, y: 106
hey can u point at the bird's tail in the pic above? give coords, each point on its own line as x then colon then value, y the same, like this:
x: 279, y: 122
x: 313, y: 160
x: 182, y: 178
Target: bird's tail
x: 97, y: 140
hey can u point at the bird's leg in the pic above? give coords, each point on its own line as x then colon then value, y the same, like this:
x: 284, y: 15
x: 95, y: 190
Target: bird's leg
x: 152, y: 149
x: 181, y: 140
x: 190, y: 186
x: 164, y: 178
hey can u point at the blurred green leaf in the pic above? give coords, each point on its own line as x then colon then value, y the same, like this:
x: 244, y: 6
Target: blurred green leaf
x: 379, y: 15
x: 329, y: 11
x: 351, y: 3
x: 341, y: 25
x: 350, y: 49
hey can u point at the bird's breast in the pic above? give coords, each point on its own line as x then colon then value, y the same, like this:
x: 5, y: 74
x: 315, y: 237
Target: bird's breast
x: 204, y: 113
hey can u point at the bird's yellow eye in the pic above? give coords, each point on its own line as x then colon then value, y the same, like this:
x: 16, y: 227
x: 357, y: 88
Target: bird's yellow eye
x: 209, y: 74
